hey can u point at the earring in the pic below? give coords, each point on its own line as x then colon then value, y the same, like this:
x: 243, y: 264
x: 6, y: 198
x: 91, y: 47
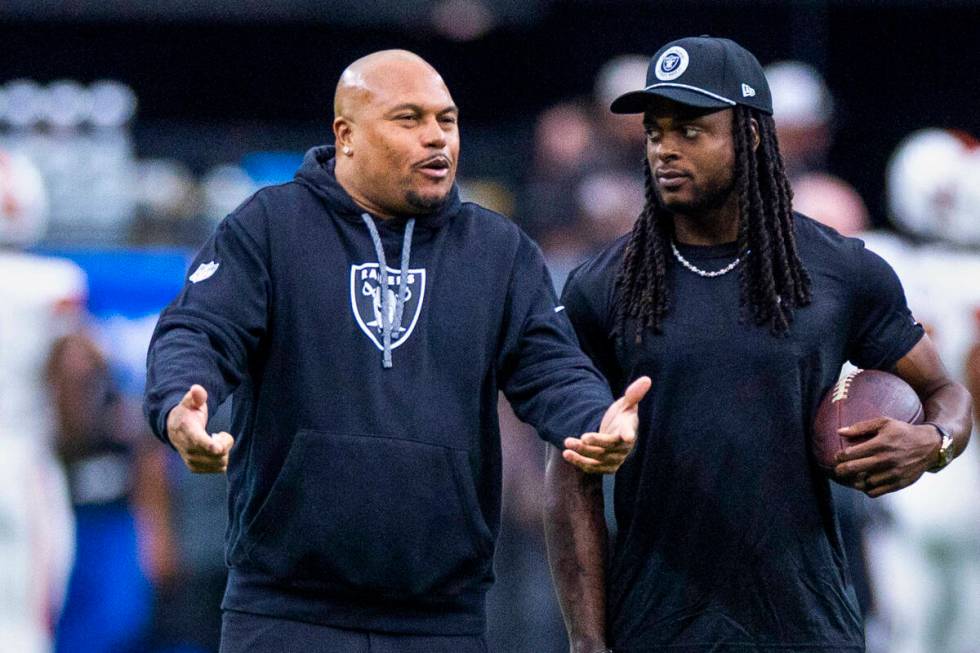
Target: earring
x: 347, y: 150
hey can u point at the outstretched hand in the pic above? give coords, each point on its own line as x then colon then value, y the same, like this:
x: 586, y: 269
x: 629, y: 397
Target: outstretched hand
x: 605, y: 451
x: 187, y: 430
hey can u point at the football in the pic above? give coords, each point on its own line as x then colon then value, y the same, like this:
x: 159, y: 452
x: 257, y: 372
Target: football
x: 860, y: 395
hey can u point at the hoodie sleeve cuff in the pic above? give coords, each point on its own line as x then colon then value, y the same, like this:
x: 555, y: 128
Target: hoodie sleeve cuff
x: 589, y: 425
x: 161, y: 426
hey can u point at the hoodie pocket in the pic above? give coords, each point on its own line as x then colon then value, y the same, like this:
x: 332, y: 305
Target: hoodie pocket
x: 372, y: 513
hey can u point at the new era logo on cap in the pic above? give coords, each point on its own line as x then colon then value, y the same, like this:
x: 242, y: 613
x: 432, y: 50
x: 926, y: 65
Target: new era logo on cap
x: 747, y: 91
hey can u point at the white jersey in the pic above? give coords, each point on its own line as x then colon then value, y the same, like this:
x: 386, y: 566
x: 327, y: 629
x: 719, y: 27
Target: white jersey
x: 41, y: 299
x: 943, y: 295
x: 929, y: 556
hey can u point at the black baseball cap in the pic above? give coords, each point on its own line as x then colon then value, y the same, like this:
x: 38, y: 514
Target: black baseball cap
x: 701, y: 71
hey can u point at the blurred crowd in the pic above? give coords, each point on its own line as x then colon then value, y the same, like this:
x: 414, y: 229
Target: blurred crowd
x: 107, y: 544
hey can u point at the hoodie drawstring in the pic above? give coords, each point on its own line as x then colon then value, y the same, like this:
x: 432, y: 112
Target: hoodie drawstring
x: 387, y: 325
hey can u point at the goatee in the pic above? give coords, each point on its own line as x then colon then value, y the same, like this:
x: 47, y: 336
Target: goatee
x: 425, y: 204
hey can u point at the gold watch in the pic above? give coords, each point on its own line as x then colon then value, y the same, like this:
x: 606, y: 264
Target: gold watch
x: 945, y: 447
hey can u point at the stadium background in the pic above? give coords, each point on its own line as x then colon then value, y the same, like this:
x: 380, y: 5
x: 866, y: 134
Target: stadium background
x: 230, y: 94
x: 269, y: 74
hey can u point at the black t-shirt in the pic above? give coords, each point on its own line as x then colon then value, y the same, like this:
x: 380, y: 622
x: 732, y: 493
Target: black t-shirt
x: 727, y: 538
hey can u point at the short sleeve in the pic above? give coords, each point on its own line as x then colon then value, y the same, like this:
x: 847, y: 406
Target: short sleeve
x: 883, y: 329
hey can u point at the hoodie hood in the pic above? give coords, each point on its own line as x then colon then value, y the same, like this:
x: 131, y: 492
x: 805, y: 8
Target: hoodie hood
x: 317, y: 174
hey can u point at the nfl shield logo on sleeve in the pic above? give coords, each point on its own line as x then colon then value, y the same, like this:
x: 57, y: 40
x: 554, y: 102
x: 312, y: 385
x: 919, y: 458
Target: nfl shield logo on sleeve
x: 366, y: 286
x: 204, y: 271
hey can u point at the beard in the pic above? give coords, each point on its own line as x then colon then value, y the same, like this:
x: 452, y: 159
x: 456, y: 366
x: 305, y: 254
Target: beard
x: 702, y: 200
x: 425, y: 203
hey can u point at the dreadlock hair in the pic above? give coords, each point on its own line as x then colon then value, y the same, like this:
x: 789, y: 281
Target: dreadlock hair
x: 772, y: 279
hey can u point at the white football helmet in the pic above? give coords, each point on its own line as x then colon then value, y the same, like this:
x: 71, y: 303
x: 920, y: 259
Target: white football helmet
x: 933, y: 181
x: 23, y: 201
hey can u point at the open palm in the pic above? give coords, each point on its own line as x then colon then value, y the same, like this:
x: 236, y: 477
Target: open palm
x: 604, y: 452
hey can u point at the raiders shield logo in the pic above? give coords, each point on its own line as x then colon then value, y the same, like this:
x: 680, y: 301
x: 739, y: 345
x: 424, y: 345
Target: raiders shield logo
x: 365, y: 301
x: 672, y: 63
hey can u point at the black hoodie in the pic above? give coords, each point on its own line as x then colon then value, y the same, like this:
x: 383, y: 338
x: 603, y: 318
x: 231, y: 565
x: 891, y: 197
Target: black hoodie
x: 364, y: 497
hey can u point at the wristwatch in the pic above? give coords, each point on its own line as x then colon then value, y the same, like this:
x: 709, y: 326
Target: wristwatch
x: 945, y: 447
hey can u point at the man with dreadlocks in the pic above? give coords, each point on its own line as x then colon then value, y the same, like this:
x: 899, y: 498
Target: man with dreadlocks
x: 742, y: 313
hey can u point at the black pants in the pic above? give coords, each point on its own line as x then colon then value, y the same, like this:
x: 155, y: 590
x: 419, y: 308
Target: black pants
x: 251, y: 633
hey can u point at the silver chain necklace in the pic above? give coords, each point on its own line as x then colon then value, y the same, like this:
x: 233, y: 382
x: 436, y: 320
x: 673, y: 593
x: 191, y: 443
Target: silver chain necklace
x: 698, y: 271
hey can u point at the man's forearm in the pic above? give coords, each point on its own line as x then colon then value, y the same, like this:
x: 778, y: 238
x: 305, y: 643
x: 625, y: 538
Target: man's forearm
x: 950, y: 406
x: 575, y: 530
x: 945, y: 402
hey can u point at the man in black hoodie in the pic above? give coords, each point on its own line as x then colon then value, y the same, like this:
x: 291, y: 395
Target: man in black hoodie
x: 365, y: 482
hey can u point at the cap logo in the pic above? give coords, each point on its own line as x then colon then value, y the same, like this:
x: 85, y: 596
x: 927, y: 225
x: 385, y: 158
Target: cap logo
x: 747, y: 91
x: 672, y: 63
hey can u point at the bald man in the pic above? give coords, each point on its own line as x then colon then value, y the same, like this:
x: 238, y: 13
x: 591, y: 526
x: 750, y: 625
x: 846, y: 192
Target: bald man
x: 365, y: 319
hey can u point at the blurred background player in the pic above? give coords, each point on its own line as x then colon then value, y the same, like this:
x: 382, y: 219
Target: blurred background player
x: 124, y: 543
x: 803, y: 108
x: 583, y: 189
x: 42, y: 300
x: 145, y: 574
x: 923, y: 557
x: 77, y: 570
